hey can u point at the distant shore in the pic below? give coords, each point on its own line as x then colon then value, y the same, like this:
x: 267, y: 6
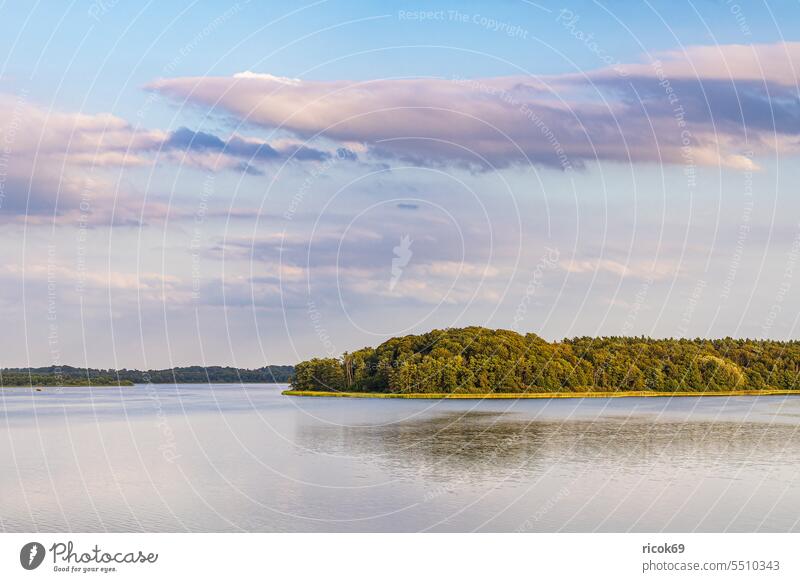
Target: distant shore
x: 65, y: 375
x: 93, y: 384
x: 538, y: 395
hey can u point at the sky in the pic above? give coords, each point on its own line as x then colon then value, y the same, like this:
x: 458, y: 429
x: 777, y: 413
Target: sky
x: 259, y: 183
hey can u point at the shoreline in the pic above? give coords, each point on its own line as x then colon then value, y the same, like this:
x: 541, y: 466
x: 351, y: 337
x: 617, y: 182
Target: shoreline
x: 536, y: 395
x: 41, y: 387
x: 133, y: 384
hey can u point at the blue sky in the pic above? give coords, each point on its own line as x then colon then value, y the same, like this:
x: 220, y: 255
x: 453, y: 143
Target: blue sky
x: 233, y: 184
x: 125, y: 45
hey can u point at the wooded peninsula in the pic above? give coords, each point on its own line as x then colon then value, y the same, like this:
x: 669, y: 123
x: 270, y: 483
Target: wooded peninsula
x: 476, y: 360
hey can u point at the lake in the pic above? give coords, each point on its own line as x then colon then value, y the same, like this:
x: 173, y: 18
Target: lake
x: 195, y: 457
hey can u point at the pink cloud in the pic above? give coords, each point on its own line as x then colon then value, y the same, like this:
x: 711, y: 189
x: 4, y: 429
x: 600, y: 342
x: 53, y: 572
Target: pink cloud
x: 561, y: 121
x: 765, y: 63
x: 54, y: 162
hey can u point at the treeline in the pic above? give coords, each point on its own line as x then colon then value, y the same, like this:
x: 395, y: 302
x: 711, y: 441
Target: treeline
x: 479, y: 360
x: 9, y: 379
x: 71, y: 376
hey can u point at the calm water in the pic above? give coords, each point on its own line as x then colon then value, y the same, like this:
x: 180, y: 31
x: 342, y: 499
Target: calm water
x: 231, y: 458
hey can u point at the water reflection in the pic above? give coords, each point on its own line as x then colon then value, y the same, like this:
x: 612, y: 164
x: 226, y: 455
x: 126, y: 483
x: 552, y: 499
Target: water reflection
x: 613, y: 473
x: 476, y: 445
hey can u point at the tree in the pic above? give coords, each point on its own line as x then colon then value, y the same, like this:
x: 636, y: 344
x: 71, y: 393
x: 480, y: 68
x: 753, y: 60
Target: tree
x: 476, y: 359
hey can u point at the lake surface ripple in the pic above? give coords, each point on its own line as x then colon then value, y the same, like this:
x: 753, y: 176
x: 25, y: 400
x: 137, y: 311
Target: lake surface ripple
x: 195, y: 457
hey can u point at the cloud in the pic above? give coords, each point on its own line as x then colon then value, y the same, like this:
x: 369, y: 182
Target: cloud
x: 637, y: 269
x: 703, y: 106
x: 357, y: 263
x: 76, y: 138
x: 777, y: 63
x: 52, y: 161
x: 185, y: 139
x: 60, y: 166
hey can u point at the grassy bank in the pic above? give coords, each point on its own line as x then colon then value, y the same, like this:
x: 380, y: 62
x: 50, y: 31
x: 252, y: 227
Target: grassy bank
x: 518, y: 395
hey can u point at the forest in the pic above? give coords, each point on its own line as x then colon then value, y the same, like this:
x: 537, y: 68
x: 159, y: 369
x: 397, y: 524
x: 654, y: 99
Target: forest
x: 14, y: 379
x: 479, y: 360
x: 72, y: 376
